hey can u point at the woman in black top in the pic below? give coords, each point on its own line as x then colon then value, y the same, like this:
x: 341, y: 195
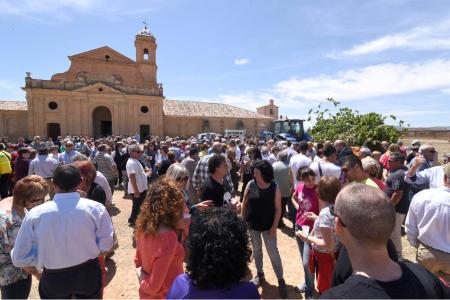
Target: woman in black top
x: 261, y: 209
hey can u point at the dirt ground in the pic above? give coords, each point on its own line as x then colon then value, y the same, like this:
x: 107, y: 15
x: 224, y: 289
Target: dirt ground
x: 122, y: 281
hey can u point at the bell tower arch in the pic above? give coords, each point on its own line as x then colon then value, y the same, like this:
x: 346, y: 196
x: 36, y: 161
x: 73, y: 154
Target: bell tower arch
x: 145, y: 44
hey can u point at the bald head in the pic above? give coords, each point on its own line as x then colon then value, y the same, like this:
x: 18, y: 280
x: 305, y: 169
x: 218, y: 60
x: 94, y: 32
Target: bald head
x: 339, y: 145
x: 217, y: 147
x: 367, y: 212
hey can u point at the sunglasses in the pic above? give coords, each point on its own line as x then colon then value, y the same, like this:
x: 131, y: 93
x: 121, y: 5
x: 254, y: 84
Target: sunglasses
x: 344, y: 170
x: 183, y: 178
x: 334, y: 214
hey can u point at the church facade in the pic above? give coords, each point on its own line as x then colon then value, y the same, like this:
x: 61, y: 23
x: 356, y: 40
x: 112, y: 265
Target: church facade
x: 106, y: 93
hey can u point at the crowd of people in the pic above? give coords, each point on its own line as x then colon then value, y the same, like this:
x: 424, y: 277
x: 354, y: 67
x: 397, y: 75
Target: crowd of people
x: 201, y: 210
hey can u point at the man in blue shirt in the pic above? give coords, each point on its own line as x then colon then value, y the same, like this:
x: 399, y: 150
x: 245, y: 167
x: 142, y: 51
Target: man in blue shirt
x: 64, y: 237
x: 66, y: 156
x: 44, y: 166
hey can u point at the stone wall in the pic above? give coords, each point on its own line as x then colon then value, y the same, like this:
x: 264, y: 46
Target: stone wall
x: 13, y: 124
x: 431, y: 134
x: 189, y: 126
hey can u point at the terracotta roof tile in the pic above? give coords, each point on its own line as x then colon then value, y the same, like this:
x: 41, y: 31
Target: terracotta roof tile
x: 13, y: 105
x: 207, y: 109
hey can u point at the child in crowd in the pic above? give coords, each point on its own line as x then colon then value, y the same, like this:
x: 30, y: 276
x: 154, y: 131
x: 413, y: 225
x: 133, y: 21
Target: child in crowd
x: 305, y: 200
x: 325, y: 244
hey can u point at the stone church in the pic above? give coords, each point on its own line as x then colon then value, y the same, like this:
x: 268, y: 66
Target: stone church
x: 104, y: 92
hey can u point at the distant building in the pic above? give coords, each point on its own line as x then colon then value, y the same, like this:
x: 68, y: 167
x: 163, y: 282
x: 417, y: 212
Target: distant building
x: 104, y: 92
x: 270, y: 110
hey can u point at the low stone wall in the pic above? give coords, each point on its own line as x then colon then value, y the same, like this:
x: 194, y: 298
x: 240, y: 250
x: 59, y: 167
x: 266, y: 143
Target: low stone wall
x: 430, y: 134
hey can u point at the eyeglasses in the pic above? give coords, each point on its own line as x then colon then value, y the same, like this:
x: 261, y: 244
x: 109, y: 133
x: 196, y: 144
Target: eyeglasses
x: 334, y: 214
x: 186, y: 178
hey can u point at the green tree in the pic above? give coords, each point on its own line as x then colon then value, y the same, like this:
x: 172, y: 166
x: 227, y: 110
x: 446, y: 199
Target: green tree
x: 352, y: 126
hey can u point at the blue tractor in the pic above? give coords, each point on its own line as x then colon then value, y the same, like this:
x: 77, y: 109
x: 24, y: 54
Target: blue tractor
x: 290, y: 130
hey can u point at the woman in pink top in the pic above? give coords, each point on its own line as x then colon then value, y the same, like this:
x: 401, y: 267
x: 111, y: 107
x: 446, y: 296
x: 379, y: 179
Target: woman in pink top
x: 305, y: 200
x: 159, y: 253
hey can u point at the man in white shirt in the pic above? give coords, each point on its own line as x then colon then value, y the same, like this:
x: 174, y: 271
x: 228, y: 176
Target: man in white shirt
x: 137, y: 181
x: 64, y: 237
x: 326, y: 166
x: 428, y: 227
x: 299, y: 161
x: 433, y: 176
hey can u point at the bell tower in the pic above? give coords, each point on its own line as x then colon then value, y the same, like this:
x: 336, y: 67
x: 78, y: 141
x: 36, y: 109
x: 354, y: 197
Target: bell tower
x: 145, y: 44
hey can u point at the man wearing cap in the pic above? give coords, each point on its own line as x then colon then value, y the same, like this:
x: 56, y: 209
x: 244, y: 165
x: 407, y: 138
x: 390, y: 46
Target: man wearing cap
x: 414, y: 150
x: 428, y: 227
x: 44, y: 166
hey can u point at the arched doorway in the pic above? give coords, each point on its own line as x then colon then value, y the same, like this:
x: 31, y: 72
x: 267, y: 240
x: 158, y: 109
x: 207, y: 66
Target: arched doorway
x: 101, y: 122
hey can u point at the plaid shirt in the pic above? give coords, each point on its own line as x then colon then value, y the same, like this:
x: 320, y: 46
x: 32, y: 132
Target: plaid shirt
x: 202, y: 172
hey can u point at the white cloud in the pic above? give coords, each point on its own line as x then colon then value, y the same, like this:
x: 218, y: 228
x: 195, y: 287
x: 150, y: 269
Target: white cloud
x: 241, y: 61
x: 371, y: 81
x: 62, y: 10
x: 419, y: 38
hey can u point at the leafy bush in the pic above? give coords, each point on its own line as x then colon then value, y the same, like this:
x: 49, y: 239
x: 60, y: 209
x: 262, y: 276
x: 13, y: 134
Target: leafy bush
x: 351, y: 126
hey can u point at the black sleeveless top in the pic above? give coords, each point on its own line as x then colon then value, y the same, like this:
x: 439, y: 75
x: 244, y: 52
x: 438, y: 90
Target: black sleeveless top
x: 261, y: 206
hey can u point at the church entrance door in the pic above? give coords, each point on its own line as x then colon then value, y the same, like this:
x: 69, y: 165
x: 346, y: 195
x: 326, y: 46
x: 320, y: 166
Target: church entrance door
x: 101, y: 122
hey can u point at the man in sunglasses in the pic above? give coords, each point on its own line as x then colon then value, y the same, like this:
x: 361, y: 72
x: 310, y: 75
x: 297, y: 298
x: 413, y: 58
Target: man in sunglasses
x: 426, y: 157
x: 364, y: 220
x: 353, y: 171
x: 398, y: 191
x: 137, y: 181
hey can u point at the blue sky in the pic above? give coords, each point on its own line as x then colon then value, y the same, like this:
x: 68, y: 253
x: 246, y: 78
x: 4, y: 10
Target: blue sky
x: 388, y: 56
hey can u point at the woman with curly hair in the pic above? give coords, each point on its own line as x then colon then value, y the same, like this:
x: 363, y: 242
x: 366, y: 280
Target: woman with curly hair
x: 217, y: 260
x: 159, y: 254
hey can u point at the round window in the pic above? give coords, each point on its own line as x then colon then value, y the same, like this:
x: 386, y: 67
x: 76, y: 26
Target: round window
x: 52, y: 105
x: 144, y: 109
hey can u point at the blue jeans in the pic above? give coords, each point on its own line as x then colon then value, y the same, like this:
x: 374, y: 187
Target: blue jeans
x: 305, y: 250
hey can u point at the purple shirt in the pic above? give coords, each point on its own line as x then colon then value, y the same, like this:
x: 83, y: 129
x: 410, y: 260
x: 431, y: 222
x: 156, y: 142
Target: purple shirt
x: 182, y: 288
